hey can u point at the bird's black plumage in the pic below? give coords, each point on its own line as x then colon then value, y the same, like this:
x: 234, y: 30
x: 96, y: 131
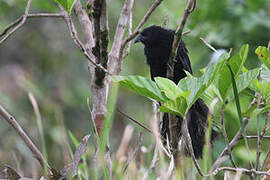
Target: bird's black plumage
x: 157, y: 47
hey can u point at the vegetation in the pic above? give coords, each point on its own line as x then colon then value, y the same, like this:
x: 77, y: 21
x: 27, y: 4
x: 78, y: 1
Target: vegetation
x: 45, y: 85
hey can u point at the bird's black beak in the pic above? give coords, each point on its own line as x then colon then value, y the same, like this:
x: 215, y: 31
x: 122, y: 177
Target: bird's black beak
x: 140, y: 38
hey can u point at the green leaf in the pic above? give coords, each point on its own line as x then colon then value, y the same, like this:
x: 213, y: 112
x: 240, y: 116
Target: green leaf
x: 141, y: 85
x: 236, y: 63
x: 243, y: 81
x: 168, y: 87
x: 73, y: 139
x: 262, y: 87
x: 177, y: 106
x: 197, y: 86
x: 264, y: 55
x: 67, y: 4
x: 259, y: 111
x: 265, y: 73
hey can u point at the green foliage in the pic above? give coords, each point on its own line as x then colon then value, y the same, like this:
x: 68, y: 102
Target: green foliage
x: 141, y: 85
x: 67, y: 4
x: 224, y: 82
x: 264, y: 55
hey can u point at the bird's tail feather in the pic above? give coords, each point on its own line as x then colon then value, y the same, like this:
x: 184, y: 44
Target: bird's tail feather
x: 197, y: 125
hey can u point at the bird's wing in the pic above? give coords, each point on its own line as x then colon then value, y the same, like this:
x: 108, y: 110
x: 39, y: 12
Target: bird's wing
x: 182, y: 62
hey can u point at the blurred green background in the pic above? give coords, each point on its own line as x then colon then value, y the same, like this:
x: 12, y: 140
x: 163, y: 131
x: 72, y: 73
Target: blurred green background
x: 42, y: 58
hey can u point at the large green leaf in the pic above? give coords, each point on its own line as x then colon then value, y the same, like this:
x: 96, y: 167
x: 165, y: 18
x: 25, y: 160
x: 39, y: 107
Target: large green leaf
x: 67, y: 4
x: 141, y: 85
x: 264, y: 55
x: 236, y: 63
x: 168, y: 87
x: 197, y: 86
x: 177, y: 106
x: 243, y: 81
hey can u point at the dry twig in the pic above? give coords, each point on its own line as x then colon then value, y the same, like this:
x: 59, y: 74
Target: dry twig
x: 259, y: 141
x: 21, y: 22
x: 226, y: 136
x: 37, y: 154
x: 138, y: 28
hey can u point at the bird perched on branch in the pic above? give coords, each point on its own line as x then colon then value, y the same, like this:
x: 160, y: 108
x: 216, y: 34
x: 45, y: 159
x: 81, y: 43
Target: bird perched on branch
x: 157, y: 43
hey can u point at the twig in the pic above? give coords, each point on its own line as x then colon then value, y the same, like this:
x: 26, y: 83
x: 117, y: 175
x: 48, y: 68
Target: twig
x: 134, y: 153
x: 256, y: 137
x: 190, y: 148
x: 138, y: 28
x: 265, y: 161
x: 20, y: 22
x: 129, y: 33
x: 165, y: 21
x: 243, y: 170
x: 259, y: 141
x: 37, y: 154
x: 226, y: 136
x: 156, y: 133
x: 114, y: 55
x: 77, y: 41
x: 153, y: 163
x: 208, y: 45
x: 127, y: 135
x: 234, y: 141
x: 30, y: 15
x: 39, y: 123
x: 178, y: 34
x: 133, y: 120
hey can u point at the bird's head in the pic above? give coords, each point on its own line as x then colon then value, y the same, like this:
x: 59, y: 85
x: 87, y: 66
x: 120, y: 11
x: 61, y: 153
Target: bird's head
x: 153, y: 35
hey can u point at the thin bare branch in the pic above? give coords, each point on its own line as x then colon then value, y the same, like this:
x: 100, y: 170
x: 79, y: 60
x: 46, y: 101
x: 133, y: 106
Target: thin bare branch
x: 259, y: 141
x: 243, y: 170
x: 208, y: 45
x: 190, y: 148
x: 256, y: 137
x: 30, y: 15
x: 37, y: 154
x: 134, y: 120
x: 138, y: 28
x: 266, y: 159
x: 134, y: 153
x: 235, y: 139
x: 226, y: 136
x: 153, y: 163
x: 178, y: 35
x: 8, y: 34
x: 77, y: 41
x: 127, y: 136
x: 233, y: 142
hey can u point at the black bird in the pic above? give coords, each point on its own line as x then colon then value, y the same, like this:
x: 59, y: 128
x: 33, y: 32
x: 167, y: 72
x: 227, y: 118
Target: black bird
x: 157, y: 47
